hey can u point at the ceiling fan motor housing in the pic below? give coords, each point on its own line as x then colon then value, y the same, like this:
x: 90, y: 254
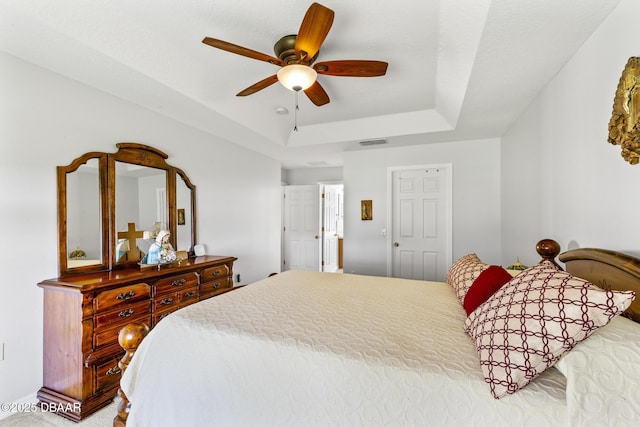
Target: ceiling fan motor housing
x: 285, y: 49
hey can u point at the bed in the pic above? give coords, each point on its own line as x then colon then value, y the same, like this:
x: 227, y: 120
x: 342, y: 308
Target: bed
x: 316, y: 349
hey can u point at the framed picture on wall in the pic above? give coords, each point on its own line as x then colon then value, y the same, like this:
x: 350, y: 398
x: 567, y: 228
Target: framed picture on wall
x: 366, y: 209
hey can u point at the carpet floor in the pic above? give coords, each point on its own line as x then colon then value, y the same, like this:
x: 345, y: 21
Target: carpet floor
x: 102, y: 418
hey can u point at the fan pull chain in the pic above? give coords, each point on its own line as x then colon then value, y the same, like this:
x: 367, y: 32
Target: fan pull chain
x: 295, y: 114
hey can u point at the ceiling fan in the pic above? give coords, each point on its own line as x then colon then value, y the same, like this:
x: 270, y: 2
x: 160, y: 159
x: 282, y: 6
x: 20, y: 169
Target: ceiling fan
x: 296, y: 55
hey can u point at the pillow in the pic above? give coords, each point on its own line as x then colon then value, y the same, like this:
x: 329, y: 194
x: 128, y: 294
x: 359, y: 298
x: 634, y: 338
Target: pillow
x: 526, y: 326
x: 603, y: 376
x: 487, y: 283
x: 463, y: 273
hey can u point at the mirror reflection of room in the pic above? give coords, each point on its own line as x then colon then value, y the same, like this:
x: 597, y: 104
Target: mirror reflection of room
x: 83, y: 216
x: 141, y: 199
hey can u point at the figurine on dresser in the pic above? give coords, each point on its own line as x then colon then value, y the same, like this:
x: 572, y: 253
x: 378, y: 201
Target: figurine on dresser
x: 161, y: 250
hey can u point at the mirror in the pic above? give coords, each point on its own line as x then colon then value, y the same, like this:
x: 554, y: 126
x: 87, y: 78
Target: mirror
x: 102, y: 196
x: 141, y: 199
x: 82, y: 191
x: 83, y: 216
x: 185, y: 204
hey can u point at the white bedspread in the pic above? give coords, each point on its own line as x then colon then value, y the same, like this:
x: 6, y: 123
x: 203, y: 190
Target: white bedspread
x: 322, y: 349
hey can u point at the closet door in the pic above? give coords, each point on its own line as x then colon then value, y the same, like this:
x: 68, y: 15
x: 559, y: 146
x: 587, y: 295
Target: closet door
x: 301, y: 233
x: 421, y: 216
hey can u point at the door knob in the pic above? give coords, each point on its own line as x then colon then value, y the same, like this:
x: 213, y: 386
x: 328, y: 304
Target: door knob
x: 396, y: 244
x: 317, y: 237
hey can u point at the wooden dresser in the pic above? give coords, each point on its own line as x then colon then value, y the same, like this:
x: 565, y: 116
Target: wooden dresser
x: 84, y: 313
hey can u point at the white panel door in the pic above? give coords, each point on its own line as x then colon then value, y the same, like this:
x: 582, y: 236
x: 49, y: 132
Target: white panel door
x: 332, y: 220
x: 421, y: 218
x: 301, y: 228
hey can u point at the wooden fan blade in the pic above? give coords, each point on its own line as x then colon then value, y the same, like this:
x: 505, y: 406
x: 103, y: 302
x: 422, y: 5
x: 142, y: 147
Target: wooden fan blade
x: 239, y: 50
x: 316, y: 94
x: 352, y: 68
x: 259, y: 86
x: 313, y: 30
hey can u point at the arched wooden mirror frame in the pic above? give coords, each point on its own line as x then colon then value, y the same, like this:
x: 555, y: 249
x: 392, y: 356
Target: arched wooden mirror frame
x: 133, y: 154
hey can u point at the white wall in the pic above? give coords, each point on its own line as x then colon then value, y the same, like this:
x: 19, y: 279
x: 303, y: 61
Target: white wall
x: 47, y: 120
x: 307, y: 176
x: 560, y: 177
x: 476, y: 199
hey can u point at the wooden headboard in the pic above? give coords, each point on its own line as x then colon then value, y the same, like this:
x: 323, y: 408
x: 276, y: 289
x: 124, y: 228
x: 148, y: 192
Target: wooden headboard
x: 608, y: 270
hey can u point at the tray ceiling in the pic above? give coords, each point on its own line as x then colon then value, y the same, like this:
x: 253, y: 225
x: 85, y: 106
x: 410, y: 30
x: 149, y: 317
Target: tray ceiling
x: 457, y: 69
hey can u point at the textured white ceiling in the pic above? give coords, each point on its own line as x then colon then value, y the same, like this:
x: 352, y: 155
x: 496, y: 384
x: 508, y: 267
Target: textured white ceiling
x: 457, y: 68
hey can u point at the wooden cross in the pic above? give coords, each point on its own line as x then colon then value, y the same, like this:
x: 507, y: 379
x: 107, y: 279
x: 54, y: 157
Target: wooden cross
x: 133, y: 254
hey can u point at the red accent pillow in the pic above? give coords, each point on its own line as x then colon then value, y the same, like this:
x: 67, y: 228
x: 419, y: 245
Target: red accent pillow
x: 487, y: 283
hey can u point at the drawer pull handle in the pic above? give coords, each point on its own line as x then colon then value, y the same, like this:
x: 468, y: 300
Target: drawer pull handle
x: 126, y: 313
x: 126, y: 296
x: 166, y: 301
x: 163, y: 316
x: 189, y: 294
x: 216, y: 285
x: 114, y: 370
x: 179, y: 282
x: 215, y: 273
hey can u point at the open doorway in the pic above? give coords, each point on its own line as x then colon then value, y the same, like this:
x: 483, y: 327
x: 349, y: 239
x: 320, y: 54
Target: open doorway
x: 313, y: 218
x: 332, y: 218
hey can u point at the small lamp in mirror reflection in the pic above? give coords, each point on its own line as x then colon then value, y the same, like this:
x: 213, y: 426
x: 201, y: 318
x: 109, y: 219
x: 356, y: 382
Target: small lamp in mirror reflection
x: 517, y: 265
x: 77, y: 254
x: 153, y: 233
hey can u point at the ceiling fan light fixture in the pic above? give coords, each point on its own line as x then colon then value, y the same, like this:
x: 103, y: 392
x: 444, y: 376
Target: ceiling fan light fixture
x: 297, y: 77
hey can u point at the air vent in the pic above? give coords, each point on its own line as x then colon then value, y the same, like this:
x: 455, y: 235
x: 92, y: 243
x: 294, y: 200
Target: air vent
x: 373, y: 142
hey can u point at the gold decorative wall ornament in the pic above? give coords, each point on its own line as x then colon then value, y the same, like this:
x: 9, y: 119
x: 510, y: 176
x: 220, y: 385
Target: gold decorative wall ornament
x: 624, y: 127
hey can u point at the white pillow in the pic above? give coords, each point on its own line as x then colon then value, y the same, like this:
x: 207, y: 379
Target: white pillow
x: 603, y: 376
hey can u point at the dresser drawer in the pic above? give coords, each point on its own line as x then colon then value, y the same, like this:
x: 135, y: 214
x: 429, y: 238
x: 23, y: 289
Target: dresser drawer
x: 109, y: 335
x: 176, y: 283
x: 188, y: 297
x: 109, y: 299
x: 213, y: 273
x: 161, y: 315
x: 121, y: 315
x: 209, y: 289
x: 166, y: 300
x: 107, y: 374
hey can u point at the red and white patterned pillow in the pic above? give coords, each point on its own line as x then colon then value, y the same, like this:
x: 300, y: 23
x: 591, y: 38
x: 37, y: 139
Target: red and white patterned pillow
x: 526, y: 326
x: 463, y: 273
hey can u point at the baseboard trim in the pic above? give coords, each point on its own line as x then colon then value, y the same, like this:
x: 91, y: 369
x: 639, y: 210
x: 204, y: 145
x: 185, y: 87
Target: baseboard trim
x: 20, y: 403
